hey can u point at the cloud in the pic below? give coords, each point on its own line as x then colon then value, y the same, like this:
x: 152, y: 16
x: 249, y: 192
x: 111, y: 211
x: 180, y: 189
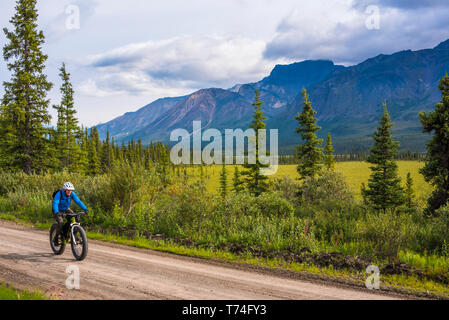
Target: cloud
x: 57, y: 16
x: 344, y: 37
x: 187, y: 62
x: 403, y: 4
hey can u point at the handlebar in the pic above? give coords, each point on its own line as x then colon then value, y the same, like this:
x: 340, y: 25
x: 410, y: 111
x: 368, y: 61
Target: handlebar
x: 73, y: 214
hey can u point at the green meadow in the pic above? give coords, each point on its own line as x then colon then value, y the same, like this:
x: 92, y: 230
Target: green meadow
x: 355, y: 173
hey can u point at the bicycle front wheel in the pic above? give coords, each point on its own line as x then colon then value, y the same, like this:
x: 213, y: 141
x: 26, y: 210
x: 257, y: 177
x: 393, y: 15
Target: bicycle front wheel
x: 79, y: 243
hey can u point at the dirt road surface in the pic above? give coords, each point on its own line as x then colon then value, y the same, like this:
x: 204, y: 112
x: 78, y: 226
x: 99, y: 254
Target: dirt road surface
x: 113, y: 271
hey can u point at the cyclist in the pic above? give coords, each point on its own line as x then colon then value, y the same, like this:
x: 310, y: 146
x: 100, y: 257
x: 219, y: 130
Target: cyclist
x: 61, y: 204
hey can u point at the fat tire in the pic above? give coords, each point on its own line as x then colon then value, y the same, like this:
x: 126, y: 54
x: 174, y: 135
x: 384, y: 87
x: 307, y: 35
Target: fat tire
x: 61, y: 249
x: 82, y: 256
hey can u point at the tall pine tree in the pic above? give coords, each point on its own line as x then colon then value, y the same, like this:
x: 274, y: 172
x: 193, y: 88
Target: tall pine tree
x: 256, y: 182
x: 329, y: 161
x: 224, y: 182
x: 384, y: 189
x: 237, y: 183
x: 310, y: 153
x: 24, y: 142
x: 436, y: 170
x: 409, y: 192
x: 94, y: 166
x: 106, y: 155
x: 68, y: 132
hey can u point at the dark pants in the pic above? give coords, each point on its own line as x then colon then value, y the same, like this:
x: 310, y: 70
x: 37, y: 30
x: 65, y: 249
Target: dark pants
x: 60, y: 220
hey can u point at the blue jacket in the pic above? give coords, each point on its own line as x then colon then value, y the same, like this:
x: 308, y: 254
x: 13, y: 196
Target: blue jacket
x: 62, y: 202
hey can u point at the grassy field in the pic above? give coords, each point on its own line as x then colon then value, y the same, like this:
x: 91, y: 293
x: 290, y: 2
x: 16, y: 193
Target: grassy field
x: 8, y: 293
x: 355, y: 173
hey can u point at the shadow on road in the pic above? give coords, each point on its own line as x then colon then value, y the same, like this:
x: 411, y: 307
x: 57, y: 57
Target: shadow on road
x: 34, y: 257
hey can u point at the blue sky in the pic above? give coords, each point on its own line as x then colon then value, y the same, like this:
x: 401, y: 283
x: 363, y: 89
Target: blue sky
x: 128, y: 53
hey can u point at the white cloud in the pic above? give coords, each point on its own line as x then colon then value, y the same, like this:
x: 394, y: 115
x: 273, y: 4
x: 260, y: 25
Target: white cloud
x: 340, y: 33
x: 188, y: 62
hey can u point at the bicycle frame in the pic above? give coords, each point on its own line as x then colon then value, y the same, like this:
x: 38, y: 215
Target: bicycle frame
x: 73, y: 223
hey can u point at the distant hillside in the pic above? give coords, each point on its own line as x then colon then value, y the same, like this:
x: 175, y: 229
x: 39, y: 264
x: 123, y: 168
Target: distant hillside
x: 348, y: 101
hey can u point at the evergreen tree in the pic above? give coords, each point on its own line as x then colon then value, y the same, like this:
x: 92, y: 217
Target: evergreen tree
x: 329, y: 161
x: 256, y: 182
x: 409, y: 192
x: 436, y: 170
x: 83, y: 161
x: 237, y: 184
x: 384, y: 186
x: 309, y: 153
x: 106, y: 155
x: 24, y: 142
x: 224, y: 182
x: 68, y: 131
x: 94, y: 161
x: 147, y: 159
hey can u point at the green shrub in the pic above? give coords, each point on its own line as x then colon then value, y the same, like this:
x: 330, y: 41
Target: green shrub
x: 330, y: 187
x: 182, y: 209
x: 288, y: 188
x: 272, y: 205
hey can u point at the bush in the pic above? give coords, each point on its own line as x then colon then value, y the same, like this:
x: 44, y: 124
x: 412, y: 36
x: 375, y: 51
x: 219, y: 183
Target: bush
x: 388, y: 233
x: 180, y: 211
x: 130, y: 186
x: 272, y: 205
x: 329, y: 188
x: 288, y: 188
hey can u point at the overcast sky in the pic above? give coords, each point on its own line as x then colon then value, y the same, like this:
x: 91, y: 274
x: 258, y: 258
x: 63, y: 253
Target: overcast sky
x: 125, y: 54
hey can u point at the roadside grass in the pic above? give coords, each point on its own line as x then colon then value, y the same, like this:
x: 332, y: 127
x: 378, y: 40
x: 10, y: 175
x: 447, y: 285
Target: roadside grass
x: 403, y: 284
x: 8, y: 293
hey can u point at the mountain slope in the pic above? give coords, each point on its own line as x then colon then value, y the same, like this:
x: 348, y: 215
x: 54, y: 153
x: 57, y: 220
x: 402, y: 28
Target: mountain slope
x: 348, y: 101
x: 215, y: 108
x: 285, y: 81
x: 124, y: 126
x: 218, y: 108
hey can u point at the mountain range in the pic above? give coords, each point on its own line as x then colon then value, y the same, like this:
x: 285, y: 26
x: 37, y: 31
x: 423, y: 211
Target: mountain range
x: 348, y: 101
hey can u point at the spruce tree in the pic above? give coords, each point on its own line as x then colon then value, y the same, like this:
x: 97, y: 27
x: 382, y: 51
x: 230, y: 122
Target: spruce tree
x: 329, y: 161
x: 256, y: 182
x: 68, y: 131
x: 83, y: 161
x: 237, y: 184
x: 24, y: 142
x: 436, y: 169
x: 310, y: 153
x: 94, y: 167
x: 384, y: 189
x: 106, y: 155
x: 223, y: 182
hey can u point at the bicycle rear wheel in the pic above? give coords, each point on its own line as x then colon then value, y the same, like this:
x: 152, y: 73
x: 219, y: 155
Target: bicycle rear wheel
x: 79, y: 246
x: 57, y: 243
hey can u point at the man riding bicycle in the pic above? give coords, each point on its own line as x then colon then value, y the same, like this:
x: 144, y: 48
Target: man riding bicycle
x: 61, y: 204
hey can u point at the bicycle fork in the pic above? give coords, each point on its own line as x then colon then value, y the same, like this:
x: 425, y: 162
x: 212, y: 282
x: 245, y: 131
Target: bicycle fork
x: 74, y: 223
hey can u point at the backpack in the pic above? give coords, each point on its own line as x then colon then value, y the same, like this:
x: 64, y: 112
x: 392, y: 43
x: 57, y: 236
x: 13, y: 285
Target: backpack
x: 55, y: 193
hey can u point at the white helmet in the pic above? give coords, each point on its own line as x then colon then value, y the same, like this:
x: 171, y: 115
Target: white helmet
x: 68, y: 186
